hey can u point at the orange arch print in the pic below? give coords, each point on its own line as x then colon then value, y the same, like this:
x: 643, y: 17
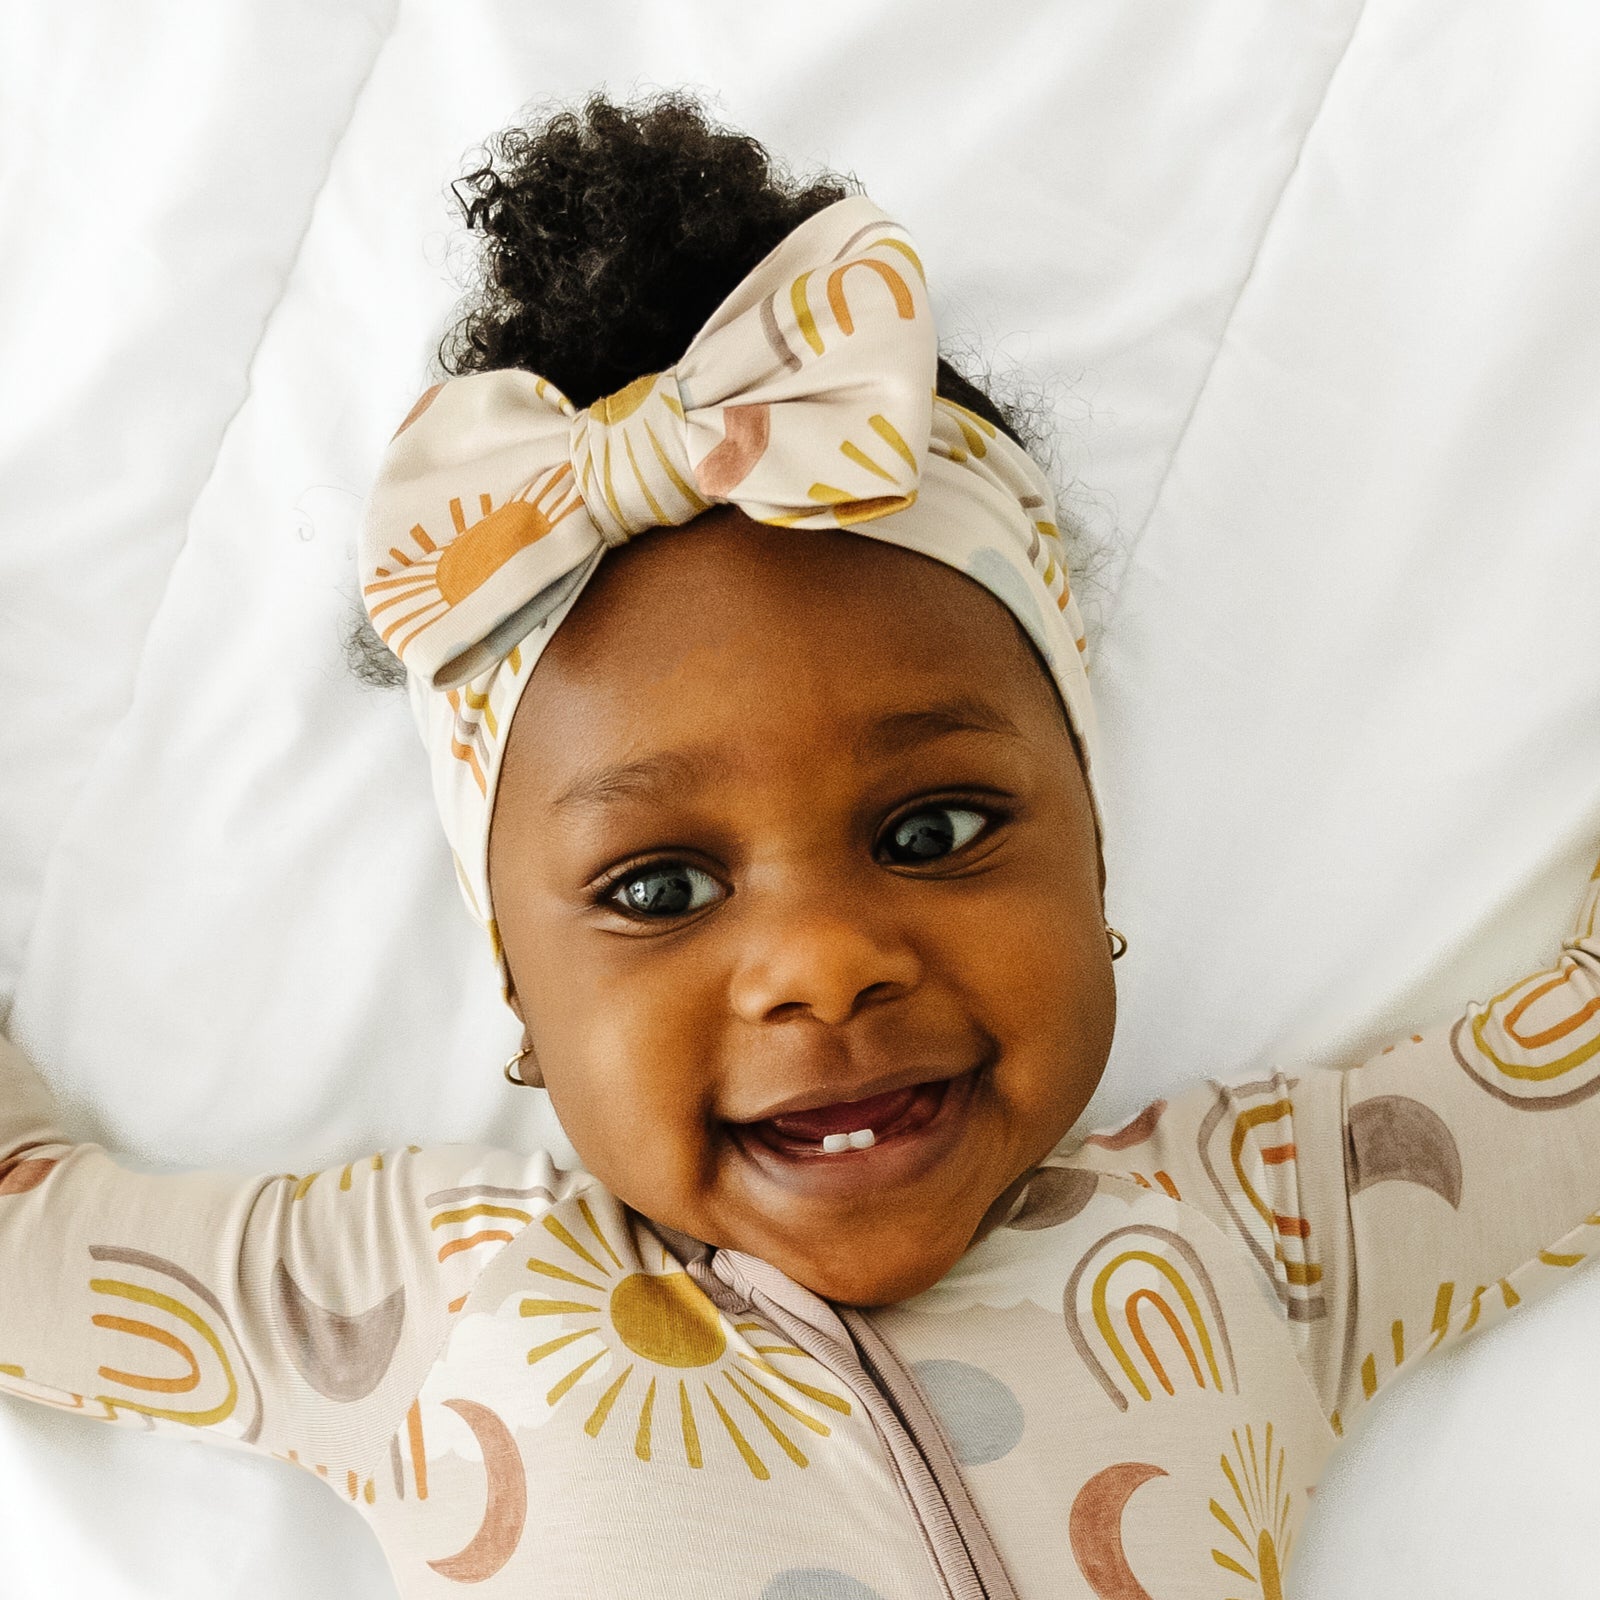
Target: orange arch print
x: 1108, y: 1332
x: 1553, y: 1033
x: 903, y: 303
x: 1142, y: 1339
x: 1112, y: 1317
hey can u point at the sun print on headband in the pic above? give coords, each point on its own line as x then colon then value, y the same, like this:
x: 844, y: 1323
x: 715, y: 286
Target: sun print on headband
x: 432, y: 581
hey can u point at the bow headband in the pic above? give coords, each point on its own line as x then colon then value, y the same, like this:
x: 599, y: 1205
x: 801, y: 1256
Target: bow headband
x: 807, y: 401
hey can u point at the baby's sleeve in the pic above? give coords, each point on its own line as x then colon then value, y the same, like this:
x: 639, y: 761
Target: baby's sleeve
x: 1398, y: 1205
x: 294, y: 1314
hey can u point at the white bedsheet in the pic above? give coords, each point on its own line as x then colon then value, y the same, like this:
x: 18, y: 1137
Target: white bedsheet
x: 1313, y: 287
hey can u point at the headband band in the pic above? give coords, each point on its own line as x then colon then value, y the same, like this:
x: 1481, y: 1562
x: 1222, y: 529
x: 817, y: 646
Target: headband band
x: 807, y: 401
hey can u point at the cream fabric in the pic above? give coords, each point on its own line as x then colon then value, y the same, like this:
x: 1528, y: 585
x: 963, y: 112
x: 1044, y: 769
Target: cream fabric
x: 807, y: 400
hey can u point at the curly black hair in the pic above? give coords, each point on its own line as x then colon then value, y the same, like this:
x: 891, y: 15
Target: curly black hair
x: 610, y: 233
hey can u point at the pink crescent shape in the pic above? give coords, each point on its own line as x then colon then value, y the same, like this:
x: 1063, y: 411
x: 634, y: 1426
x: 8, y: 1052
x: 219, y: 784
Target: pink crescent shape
x: 506, y: 1507
x: 1095, y: 1529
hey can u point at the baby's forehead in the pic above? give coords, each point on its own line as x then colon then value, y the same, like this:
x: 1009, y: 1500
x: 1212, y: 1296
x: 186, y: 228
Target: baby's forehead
x: 727, y: 598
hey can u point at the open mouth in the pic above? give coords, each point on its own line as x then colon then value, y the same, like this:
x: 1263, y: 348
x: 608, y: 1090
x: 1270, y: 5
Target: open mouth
x: 886, y: 1138
x: 849, y: 1126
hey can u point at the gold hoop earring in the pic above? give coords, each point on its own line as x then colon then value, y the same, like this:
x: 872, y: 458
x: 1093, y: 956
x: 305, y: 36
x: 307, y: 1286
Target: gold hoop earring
x: 1118, y: 942
x: 513, y: 1071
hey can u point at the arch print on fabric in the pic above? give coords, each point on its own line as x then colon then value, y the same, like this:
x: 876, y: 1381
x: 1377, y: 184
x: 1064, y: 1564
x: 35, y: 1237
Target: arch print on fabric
x: 1536, y: 1046
x: 1279, y: 1240
x: 208, y: 1392
x: 1152, y: 1287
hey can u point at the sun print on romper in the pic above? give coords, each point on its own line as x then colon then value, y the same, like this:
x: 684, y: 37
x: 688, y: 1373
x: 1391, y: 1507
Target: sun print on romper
x: 675, y: 1370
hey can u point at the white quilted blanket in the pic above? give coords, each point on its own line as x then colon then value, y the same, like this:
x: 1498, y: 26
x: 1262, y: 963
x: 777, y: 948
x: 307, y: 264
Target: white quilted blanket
x: 1314, y: 290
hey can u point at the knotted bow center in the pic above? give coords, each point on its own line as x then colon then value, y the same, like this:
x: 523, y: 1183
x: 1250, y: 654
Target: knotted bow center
x: 630, y: 455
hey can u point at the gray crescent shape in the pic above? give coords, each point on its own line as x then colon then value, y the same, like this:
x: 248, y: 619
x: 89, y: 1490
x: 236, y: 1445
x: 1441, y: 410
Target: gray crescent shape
x: 1394, y: 1136
x: 341, y: 1357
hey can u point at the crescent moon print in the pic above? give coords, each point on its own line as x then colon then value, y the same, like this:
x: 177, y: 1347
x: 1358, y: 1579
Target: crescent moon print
x: 745, y: 433
x: 506, y: 1505
x: 1142, y: 1296
x: 1130, y: 1133
x: 341, y: 1357
x: 1249, y: 1154
x: 1095, y: 1530
x: 1537, y: 1045
x: 1052, y: 1196
x: 1392, y: 1136
x: 1044, y: 1197
x: 22, y: 1173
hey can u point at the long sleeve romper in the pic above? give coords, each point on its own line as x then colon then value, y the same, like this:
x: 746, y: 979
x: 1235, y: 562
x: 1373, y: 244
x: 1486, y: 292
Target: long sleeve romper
x: 1127, y: 1387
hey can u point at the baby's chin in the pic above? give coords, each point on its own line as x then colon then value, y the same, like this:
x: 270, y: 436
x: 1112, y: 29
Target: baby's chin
x: 869, y: 1266
x: 865, y: 1282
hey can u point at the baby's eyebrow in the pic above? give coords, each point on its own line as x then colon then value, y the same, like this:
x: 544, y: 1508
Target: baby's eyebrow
x: 641, y: 779
x: 676, y: 771
x: 899, y: 730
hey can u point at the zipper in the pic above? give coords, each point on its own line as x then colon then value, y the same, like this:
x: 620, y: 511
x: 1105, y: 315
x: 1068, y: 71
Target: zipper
x: 959, y: 1545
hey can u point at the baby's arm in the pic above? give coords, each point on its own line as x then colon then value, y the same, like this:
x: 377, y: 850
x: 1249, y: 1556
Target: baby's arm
x: 294, y: 1314
x: 1407, y: 1201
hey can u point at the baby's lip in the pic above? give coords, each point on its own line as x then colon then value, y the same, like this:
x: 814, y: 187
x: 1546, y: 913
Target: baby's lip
x: 871, y: 1089
x: 913, y: 1129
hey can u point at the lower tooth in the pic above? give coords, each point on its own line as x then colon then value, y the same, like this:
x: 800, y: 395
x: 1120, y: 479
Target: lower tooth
x: 861, y: 1139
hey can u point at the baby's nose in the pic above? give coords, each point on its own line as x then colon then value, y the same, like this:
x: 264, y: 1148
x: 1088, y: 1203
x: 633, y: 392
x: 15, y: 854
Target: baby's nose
x: 824, y: 964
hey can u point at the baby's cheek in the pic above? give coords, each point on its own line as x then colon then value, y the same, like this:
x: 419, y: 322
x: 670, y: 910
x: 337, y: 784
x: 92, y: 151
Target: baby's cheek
x: 1054, y: 1015
x: 631, y: 1094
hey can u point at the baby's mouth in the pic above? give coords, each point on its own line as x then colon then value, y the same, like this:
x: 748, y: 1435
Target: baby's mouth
x: 848, y: 1127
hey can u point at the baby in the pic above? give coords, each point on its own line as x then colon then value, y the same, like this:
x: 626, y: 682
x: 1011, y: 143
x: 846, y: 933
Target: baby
x: 738, y: 628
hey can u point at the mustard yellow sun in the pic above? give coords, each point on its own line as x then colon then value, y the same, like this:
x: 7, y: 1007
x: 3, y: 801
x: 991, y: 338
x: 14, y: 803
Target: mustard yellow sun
x: 670, y: 1346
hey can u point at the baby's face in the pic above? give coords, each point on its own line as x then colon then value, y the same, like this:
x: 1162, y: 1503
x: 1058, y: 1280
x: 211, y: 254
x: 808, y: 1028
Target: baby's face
x: 792, y: 843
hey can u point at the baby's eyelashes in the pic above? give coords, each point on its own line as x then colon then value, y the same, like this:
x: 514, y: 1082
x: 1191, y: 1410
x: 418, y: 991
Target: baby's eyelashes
x: 664, y: 889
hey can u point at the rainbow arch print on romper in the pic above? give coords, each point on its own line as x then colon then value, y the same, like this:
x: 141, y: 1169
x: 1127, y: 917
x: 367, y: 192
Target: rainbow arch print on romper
x: 1144, y: 1315
x: 160, y: 1304
x: 1246, y: 1145
x: 1536, y: 1046
x: 674, y: 1371
x: 798, y: 296
x: 472, y: 1217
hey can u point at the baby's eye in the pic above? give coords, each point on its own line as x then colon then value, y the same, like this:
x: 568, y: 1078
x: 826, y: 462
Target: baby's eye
x: 671, y: 889
x: 936, y: 831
